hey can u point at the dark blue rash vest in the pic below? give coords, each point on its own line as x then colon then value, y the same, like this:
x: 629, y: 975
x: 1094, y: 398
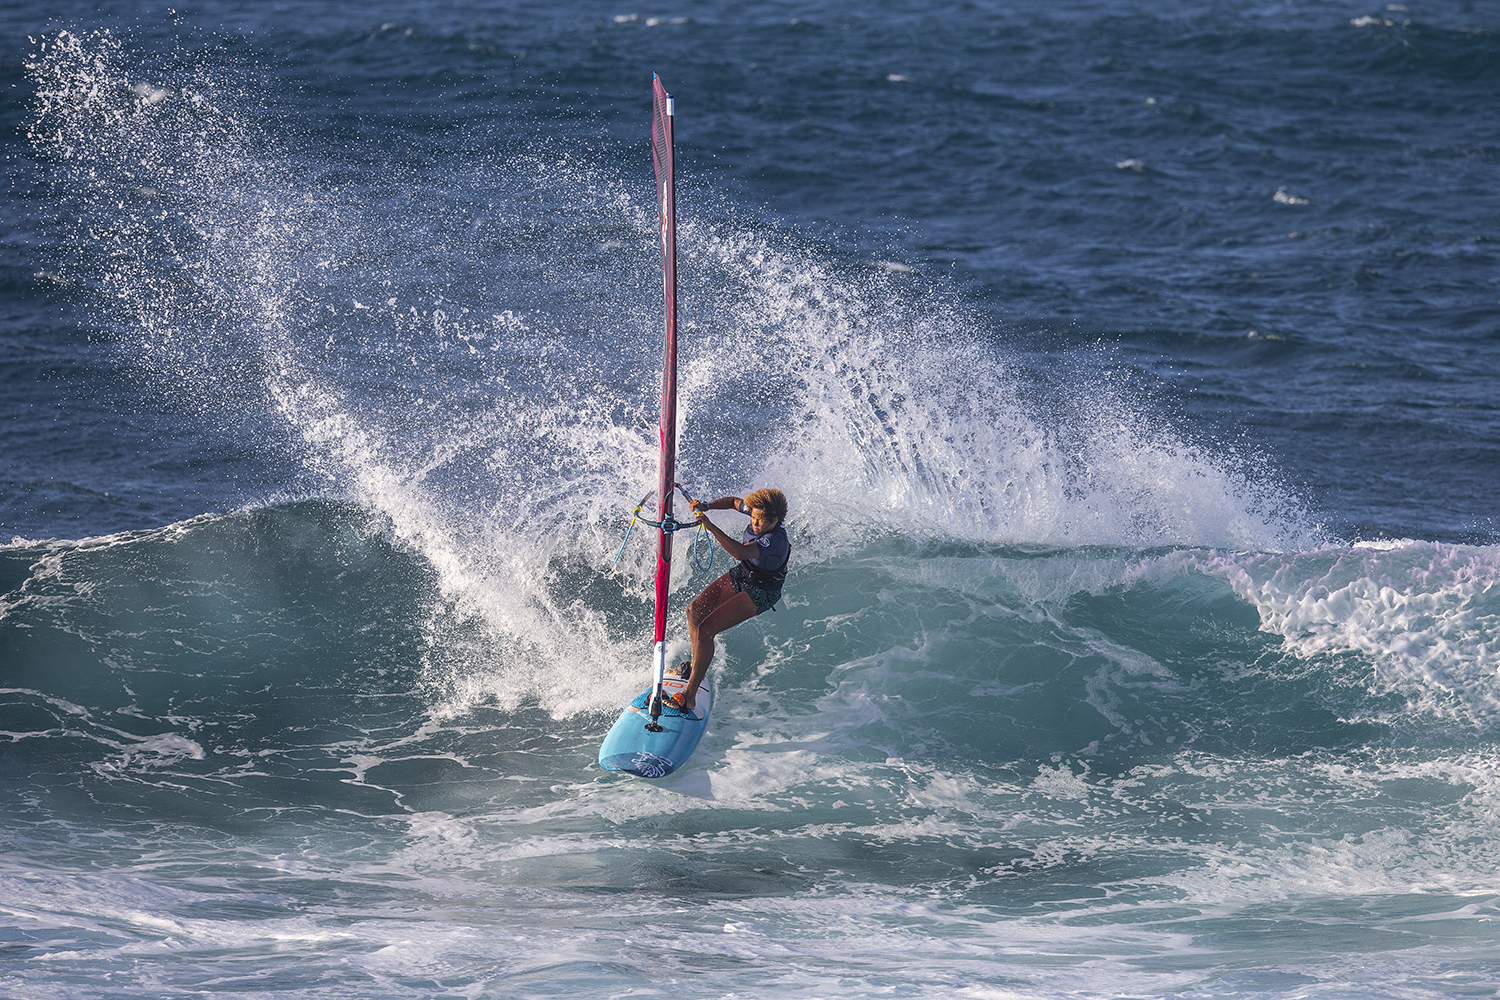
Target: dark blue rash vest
x: 768, y: 569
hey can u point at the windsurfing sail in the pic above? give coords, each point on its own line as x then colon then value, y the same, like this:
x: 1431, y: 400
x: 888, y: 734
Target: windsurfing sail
x: 650, y: 738
x: 666, y: 222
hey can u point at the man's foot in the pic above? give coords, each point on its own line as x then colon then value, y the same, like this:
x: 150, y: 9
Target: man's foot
x: 682, y: 701
x: 683, y: 670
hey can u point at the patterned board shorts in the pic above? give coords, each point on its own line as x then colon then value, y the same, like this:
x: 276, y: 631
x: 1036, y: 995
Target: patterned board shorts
x: 764, y: 599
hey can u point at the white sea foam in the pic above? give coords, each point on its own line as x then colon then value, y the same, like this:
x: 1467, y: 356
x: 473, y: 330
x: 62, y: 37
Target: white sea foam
x: 1424, y: 614
x: 1419, y: 617
x: 496, y: 621
x: 150, y: 95
x: 127, y: 753
x: 901, y: 406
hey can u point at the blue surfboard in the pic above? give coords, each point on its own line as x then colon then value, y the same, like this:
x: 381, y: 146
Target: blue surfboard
x: 631, y: 747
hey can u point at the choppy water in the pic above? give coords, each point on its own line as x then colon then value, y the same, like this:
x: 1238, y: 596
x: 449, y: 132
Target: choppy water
x: 1130, y: 370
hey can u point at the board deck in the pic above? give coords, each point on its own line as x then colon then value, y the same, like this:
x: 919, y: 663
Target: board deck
x: 630, y: 747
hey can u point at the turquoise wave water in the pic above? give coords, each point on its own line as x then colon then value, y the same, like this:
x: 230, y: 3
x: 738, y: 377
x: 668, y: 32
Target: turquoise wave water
x: 243, y: 743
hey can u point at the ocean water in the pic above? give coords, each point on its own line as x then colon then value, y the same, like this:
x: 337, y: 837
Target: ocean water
x: 1130, y: 369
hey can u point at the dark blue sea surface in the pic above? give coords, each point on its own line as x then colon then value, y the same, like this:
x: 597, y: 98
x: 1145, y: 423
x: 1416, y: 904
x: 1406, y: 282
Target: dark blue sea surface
x: 1131, y: 373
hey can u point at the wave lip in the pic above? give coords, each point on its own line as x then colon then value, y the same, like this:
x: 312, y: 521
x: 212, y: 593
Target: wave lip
x: 1424, y: 616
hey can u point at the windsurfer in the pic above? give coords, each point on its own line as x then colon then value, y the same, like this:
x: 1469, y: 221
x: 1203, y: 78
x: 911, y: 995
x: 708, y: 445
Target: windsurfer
x: 747, y: 589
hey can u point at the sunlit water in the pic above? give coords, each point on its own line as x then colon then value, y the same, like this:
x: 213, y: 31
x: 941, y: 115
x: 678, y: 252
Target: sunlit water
x: 1130, y: 374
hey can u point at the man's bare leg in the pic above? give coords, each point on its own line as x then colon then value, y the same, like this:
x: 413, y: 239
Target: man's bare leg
x: 715, y: 610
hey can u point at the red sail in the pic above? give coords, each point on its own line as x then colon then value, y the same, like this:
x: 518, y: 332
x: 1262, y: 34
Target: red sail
x: 666, y: 219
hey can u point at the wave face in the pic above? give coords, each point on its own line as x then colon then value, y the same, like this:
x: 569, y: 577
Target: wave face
x: 1104, y: 667
x: 235, y: 742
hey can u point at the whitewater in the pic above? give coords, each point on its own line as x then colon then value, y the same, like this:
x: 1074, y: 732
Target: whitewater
x: 329, y: 413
